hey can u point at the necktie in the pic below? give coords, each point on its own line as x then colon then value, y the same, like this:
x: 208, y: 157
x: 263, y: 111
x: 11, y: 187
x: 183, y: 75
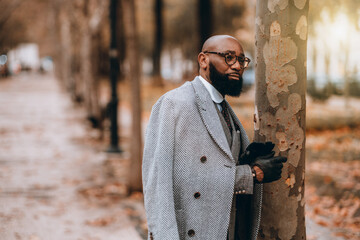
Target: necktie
x: 225, y: 113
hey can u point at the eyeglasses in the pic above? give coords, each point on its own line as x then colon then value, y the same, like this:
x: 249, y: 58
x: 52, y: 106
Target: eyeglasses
x: 231, y: 58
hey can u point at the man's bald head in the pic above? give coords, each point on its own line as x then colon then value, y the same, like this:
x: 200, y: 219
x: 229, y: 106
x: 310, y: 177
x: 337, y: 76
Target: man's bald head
x: 213, y: 42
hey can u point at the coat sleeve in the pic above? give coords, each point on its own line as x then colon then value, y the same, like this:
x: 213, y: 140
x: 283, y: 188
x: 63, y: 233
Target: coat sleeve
x: 244, y: 181
x: 157, y: 172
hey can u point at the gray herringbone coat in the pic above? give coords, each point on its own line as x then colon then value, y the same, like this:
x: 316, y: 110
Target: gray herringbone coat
x: 189, y: 173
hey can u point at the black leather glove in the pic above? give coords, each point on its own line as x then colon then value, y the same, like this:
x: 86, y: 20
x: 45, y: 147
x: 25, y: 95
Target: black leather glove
x: 254, y: 150
x: 271, y: 166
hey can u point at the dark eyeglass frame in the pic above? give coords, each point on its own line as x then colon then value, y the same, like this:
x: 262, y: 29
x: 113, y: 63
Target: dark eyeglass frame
x: 244, y: 61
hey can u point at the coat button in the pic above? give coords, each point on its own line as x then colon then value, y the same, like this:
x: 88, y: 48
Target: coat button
x: 203, y: 159
x: 191, y: 233
x: 197, y: 195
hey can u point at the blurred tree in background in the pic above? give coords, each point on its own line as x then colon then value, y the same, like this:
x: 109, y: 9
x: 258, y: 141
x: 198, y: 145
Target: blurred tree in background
x: 16, y: 26
x: 205, y: 20
x: 336, y: 44
x: 158, y: 42
x: 132, y: 43
x: 9, y: 21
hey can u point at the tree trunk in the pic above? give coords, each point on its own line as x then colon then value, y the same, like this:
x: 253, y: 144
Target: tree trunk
x: 135, y: 183
x: 91, y: 14
x: 205, y: 20
x: 329, y: 90
x: 79, y: 88
x: 281, y: 37
x: 77, y: 20
x: 54, y: 24
x: 66, y: 50
x: 91, y: 93
x: 120, y: 36
x: 346, y: 74
x: 158, y: 42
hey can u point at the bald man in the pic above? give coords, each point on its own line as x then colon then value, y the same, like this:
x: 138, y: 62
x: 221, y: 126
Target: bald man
x: 201, y: 177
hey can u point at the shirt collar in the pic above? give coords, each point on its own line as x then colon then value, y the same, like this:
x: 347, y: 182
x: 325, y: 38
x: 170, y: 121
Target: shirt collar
x: 214, y: 93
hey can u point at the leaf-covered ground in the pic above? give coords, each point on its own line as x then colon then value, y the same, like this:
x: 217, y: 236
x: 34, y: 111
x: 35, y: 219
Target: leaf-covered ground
x: 333, y: 180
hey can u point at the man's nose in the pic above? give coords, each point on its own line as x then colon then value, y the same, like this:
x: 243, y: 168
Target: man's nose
x: 236, y: 65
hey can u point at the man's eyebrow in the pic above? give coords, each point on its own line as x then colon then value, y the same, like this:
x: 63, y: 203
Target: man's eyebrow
x: 233, y: 52
x: 229, y: 51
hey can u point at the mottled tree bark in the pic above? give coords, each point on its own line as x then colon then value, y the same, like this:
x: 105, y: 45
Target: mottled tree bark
x: 281, y: 38
x: 135, y: 182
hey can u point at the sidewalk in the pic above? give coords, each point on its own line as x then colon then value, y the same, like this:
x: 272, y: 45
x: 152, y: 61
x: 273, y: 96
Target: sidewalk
x: 44, y: 166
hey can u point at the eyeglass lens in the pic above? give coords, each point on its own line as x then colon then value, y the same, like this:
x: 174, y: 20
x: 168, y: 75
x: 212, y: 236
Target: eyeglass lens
x: 231, y: 60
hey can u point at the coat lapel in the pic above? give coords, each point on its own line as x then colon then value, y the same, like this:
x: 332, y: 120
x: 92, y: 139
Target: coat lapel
x: 209, y: 116
x: 243, y: 136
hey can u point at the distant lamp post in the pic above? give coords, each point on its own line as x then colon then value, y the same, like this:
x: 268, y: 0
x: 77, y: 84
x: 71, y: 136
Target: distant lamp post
x: 113, y: 56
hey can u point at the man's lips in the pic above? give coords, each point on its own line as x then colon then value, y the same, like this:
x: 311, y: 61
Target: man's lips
x: 234, y: 75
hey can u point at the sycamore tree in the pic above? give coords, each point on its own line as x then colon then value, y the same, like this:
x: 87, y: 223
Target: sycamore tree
x: 281, y: 38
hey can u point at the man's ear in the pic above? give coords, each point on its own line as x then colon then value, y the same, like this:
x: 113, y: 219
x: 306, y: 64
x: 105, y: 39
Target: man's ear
x: 203, y: 60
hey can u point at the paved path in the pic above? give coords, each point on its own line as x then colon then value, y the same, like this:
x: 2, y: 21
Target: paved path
x: 43, y: 165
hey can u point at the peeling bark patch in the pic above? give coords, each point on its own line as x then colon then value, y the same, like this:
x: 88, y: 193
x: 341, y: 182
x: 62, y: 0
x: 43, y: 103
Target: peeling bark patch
x: 267, y: 126
x: 301, y: 27
x: 290, y: 181
x: 282, y: 143
x: 299, y: 197
x: 256, y: 119
x: 275, y: 29
x: 294, y: 103
x: 300, y: 4
x: 294, y: 133
x: 278, y: 52
x: 273, y: 3
x: 258, y: 21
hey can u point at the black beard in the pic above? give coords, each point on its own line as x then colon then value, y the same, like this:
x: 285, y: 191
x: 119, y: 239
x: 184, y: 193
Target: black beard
x: 223, y: 84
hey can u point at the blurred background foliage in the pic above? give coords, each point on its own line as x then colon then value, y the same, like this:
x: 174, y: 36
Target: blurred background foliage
x: 184, y: 23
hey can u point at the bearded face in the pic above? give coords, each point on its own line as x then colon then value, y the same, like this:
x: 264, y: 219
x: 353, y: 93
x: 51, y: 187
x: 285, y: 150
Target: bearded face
x: 226, y: 84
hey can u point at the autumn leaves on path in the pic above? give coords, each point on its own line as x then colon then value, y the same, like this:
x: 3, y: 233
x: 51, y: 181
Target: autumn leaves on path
x: 48, y: 174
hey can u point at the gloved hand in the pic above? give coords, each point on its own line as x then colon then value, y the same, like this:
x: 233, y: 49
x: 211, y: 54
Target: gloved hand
x: 271, y: 166
x: 254, y: 150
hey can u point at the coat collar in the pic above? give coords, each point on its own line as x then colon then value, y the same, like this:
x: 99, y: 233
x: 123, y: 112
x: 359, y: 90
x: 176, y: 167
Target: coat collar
x: 214, y: 93
x: 209, y: 116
